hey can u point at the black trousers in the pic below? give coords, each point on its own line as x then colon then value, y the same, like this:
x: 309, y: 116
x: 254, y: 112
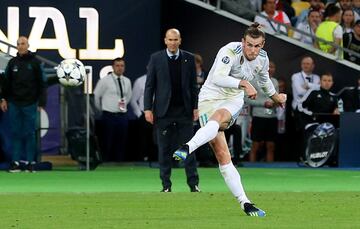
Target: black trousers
x: 114, y: 136
x: 171, y: 134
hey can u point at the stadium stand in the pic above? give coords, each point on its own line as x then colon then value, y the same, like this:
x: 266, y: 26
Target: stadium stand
x: 300, y: 6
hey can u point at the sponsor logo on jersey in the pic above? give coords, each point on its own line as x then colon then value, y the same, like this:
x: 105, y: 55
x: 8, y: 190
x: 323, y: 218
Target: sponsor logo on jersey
x: 225, y: 60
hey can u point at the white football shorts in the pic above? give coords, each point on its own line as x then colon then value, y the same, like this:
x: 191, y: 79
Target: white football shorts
x: 208, y: 107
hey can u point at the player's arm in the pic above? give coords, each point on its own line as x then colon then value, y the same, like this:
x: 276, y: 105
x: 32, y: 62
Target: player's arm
x: 222, y: 77
x: 258, y: 102
x: 248, y: 88
x: 224, y: 61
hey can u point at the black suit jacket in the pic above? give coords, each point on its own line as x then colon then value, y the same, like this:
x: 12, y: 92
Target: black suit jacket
x: 158, y: 83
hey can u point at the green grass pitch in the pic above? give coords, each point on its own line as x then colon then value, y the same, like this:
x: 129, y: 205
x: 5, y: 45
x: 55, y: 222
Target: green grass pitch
x: 129, y: 197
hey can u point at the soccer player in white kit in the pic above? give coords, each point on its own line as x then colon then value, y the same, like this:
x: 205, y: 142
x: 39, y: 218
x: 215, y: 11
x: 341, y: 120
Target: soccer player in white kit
x: 221, y: 99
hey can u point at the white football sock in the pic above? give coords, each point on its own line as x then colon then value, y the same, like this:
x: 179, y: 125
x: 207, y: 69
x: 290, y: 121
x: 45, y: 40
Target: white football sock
x: 233, y: 181
x: 203, y: 135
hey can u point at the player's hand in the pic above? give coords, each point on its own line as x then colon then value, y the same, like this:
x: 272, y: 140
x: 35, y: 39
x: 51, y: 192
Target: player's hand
x: 3, y: 105
x: 279, y: 99
x: 248, y: 88
x: 149, y: 116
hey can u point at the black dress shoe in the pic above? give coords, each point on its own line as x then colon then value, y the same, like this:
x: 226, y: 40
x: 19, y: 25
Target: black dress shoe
x: 166, y: 190
x: 195, y: 189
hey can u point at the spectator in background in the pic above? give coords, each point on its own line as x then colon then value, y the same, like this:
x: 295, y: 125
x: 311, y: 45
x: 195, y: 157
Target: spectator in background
x: 112, y: 95
x: 284, y: 137
x: 352, y: 42
x: 264, y: 120
x: 317, y: 5
x: 309, y: 27
x: 200, y: 72
x: 244, y: 121
x: 330, y: 30
x: 356, y: 7
x: 24, y: 92
x: 170, y: 102
x: 347, y: 20
x: 281, y: 111
x: 238, y: 7
x: 269, y: 12
x: 285, y: 6
x: 316, y: 107
x: 145, y: 139
x: 235, y: 132
x: 256, y: 5
x: 319, y: 101
x: 303, y: 81
x: 347, y: 5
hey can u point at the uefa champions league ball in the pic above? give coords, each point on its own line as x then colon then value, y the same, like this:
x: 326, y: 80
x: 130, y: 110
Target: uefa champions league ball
x: 71, y: 72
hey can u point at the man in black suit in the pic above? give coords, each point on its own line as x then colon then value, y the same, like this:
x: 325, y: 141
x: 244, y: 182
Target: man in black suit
x: 170, y: 102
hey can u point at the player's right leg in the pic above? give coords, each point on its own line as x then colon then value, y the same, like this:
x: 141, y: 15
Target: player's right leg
x: 221, y: 112
x: 219, y: 120
x: 231, y: 175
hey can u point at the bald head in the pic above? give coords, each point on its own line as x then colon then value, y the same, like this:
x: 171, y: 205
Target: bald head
x: 172, y: 40
x: 22, y: 45
x: 173, y: 31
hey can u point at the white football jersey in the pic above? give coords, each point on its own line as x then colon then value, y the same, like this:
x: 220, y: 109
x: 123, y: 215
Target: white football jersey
x: 230, y: 62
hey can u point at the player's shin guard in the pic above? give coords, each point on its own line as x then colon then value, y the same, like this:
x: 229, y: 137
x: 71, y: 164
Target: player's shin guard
x: 203, y: 135
x: 233, y: 181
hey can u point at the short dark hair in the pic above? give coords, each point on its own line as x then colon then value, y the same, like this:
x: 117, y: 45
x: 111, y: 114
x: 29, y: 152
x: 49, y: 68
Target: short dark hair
x: 312, y: 10
x: 254, y: 31
x: 117, y: 59
x: 326, y: 74
x: 331, y: 10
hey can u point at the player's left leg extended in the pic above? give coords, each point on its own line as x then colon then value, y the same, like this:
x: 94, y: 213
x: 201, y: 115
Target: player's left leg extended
x: 231, y: 175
